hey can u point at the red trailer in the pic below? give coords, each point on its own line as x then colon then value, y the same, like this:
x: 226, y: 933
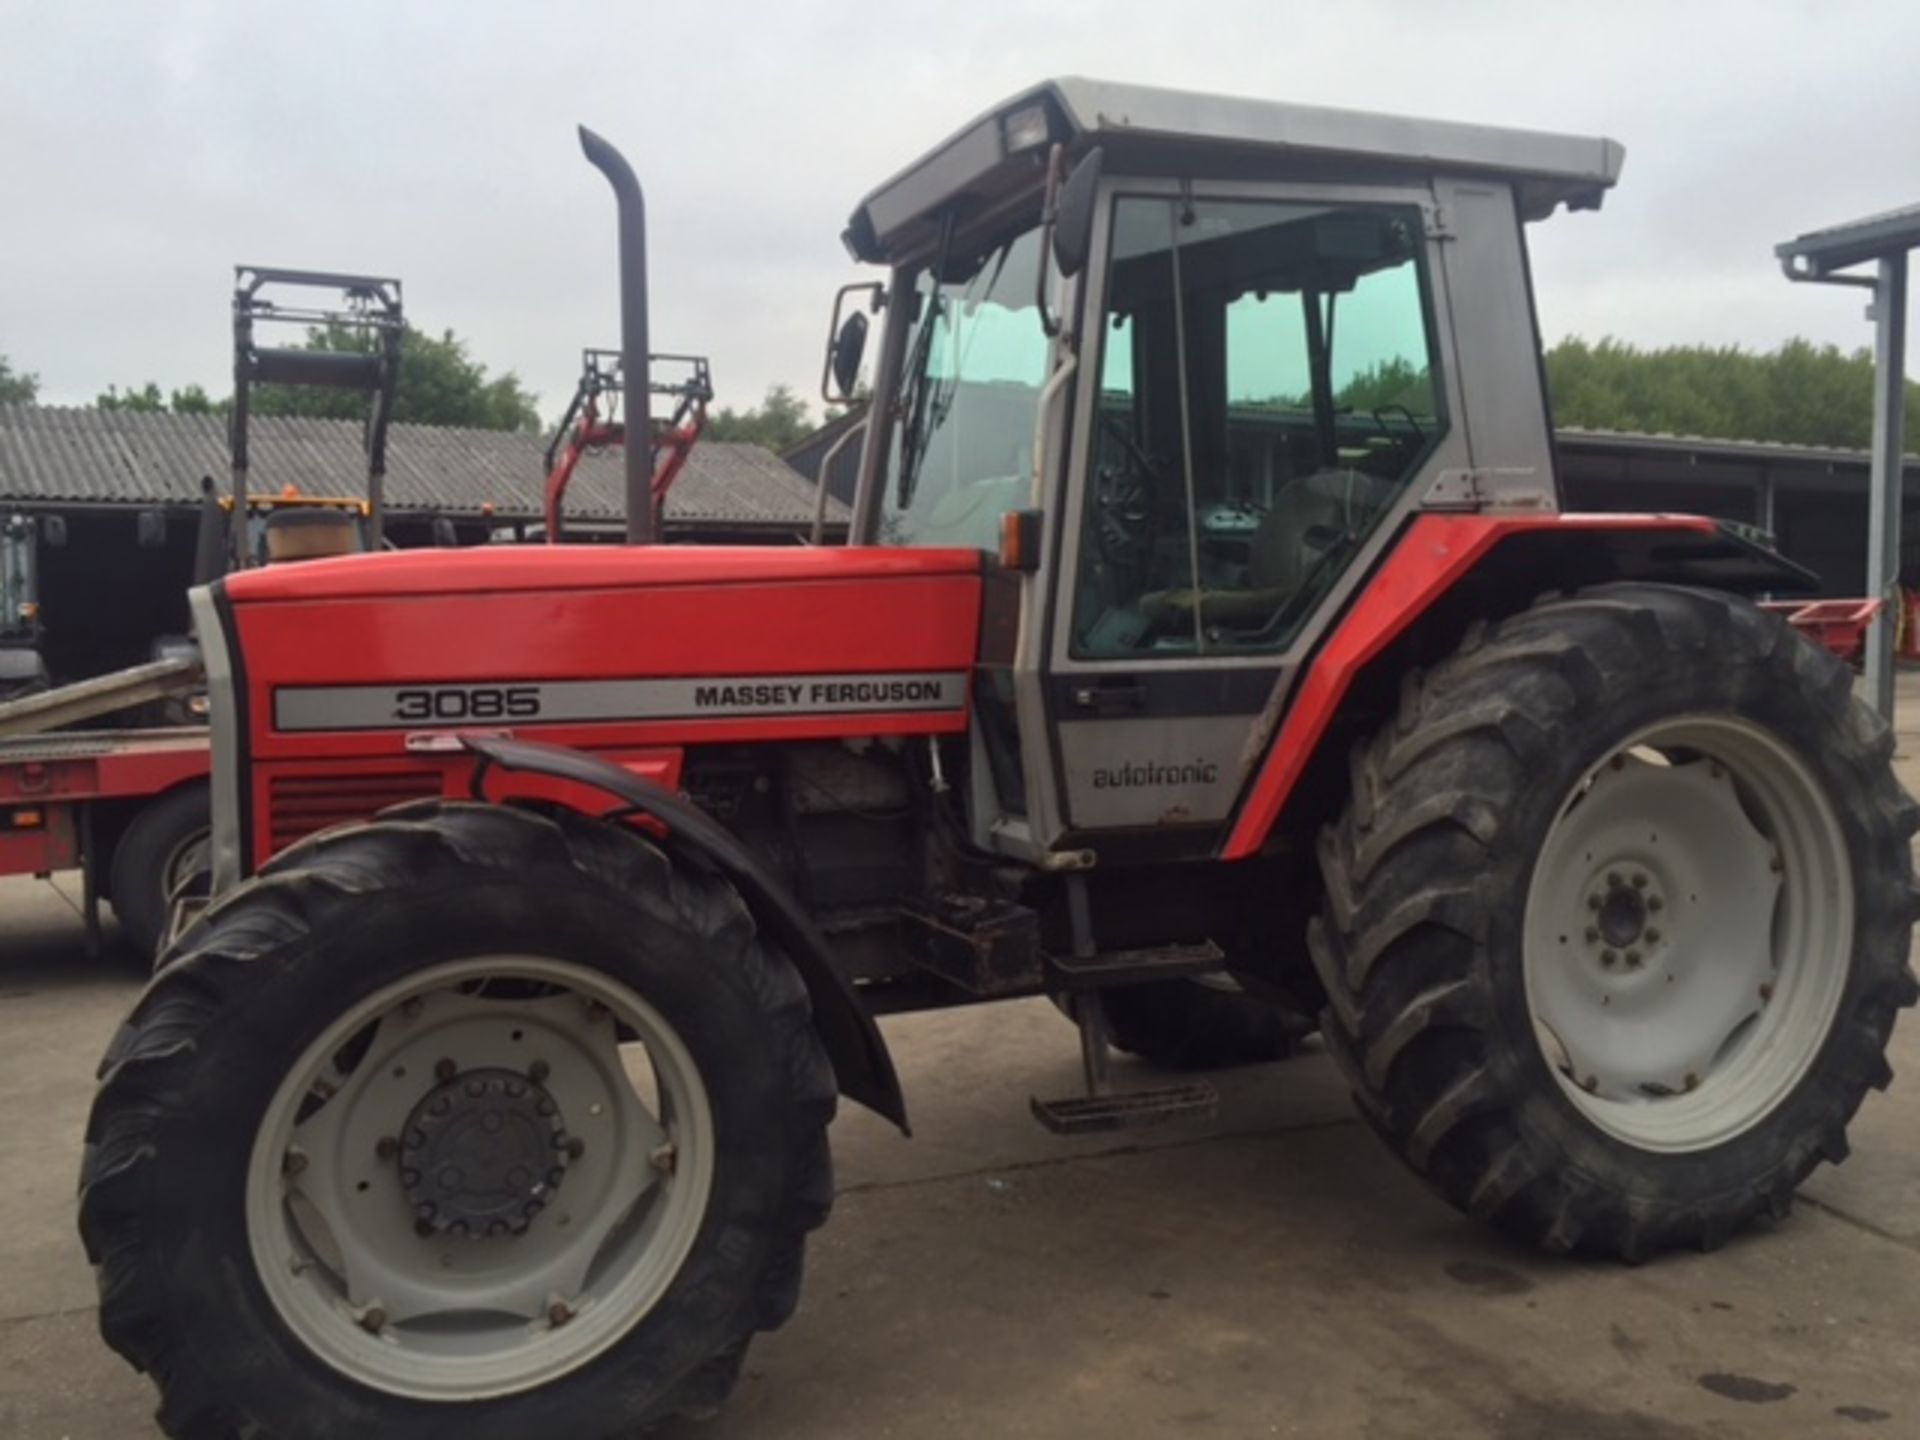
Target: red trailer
x: 127, y: 808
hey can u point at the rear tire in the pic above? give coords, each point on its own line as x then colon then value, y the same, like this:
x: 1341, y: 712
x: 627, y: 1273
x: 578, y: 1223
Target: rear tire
x: 189, y: 1201
x: 155, y: 856
x: 1467, y: 991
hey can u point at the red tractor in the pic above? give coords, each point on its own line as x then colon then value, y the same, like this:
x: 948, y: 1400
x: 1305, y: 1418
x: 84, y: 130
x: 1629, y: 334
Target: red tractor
x: 1210, y: 654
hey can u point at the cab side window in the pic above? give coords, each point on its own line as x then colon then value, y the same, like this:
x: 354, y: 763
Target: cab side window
x: 1268, y: 390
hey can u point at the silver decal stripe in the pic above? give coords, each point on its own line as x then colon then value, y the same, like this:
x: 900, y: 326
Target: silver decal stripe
x: 433, y: 704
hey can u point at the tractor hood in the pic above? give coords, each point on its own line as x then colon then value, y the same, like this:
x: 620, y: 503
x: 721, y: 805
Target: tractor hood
x: 551, y: 568
x: 341, y: 686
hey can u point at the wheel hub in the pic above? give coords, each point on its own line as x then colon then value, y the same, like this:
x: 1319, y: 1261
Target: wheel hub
x: 483, y: 1153
x: 1623, y: 917
x: 1624, y: 900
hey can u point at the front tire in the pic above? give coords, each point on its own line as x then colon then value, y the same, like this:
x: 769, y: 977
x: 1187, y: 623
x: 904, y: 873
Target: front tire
x: 1617, y: 919
x: 470, y: 1119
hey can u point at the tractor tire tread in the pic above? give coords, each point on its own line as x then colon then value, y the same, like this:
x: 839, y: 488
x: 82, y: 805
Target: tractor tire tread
x: 304, y: 888
x: 1400, y: 947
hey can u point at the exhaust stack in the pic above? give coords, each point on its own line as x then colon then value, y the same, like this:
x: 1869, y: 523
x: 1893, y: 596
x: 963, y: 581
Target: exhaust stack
x: 638, y: 450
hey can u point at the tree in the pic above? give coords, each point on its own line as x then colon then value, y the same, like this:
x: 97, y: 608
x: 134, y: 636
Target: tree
x: 440, y: 384
x: 778, y: 424
x: 147, y: 400
x: 1799, y: 394
x: 17, y: 387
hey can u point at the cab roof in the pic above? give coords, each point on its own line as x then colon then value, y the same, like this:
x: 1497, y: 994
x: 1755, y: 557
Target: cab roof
x: 1149, y: 130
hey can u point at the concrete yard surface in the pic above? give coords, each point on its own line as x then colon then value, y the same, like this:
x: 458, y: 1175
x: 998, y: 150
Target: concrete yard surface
x: 1272, y: 1272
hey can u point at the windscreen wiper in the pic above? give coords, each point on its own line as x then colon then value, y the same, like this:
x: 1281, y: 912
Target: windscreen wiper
x: 912, y: 441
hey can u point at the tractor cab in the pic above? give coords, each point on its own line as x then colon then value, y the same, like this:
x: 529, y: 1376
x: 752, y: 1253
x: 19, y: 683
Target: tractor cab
x: 1184, y: 365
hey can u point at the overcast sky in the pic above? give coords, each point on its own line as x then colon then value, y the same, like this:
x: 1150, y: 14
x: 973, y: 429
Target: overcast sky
x: 147, y: 147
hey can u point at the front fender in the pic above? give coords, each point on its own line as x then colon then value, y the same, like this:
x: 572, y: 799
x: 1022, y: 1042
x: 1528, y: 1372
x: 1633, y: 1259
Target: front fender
x: 861, y: 1062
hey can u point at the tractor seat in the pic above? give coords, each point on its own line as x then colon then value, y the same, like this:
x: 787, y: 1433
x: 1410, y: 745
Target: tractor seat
x: 1307, y: 517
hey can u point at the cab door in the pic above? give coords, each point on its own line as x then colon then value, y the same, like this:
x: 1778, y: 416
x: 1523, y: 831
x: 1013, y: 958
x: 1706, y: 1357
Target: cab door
x: 1259, y: 394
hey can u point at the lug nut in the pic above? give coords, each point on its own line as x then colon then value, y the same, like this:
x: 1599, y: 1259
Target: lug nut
x: 1655, y: 903
x: 373, y: 1320
x: 411, y: 1008
x: 1613, y: 879
x: 444, y: 1069
x: 1590, y: 1084
x: 387, y: 1148
x: 1607, y: 957
x: 1593, y: 935
x: 423, y: 1228
x: 1593, y: 902
x: 1633, y: 959
x: 664, y: 1158
x: 1692, y: 1081
x: 1653, y: 936
x: 294, y: 1162
x: 1766, y: 990
x: 576, y: 1147
x: 558, y: 1313
x: 538, y: 1072
x: 1639, y: 881
x: 1776, y: 864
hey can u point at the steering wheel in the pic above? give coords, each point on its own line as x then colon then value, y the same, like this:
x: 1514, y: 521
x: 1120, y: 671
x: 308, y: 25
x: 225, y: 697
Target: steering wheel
x: 1125, y: 522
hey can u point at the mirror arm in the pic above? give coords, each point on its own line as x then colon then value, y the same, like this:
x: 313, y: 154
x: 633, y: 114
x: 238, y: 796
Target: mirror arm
x: 1049, y: 216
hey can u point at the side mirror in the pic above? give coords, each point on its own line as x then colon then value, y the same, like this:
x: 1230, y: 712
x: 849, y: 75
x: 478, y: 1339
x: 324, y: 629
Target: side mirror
x: 1073, y: 215
x: 847, y: 343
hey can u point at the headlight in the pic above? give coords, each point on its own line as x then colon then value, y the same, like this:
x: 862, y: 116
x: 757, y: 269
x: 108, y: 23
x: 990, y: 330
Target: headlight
x: 1025, y: 128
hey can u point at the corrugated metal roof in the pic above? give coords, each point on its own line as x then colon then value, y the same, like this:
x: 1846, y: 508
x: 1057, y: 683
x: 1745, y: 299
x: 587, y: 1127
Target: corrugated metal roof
x: 71, y: 455
x: 1714, y: 446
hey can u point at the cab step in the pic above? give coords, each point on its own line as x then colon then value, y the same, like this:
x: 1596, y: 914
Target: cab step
x: 1135, y: 1110
x: 1103, y: 969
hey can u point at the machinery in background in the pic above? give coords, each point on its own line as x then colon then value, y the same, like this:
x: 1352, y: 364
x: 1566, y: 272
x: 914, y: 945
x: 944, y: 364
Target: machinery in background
x: 129, y: 805
x: 23, y: 670
x: 592, y: 422
x: 368, y: 316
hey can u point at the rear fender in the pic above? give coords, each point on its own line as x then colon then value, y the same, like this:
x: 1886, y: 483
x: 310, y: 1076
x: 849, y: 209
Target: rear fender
x: 861, y: 1062
x: 1445, y: 571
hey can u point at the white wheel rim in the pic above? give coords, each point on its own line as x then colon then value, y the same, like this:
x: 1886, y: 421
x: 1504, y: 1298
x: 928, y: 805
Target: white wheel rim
x: 1688, y: 933
x: 450, y: 1316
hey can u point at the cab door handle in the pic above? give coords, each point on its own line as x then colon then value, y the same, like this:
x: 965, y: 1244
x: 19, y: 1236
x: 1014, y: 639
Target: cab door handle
x: 1110, y: 698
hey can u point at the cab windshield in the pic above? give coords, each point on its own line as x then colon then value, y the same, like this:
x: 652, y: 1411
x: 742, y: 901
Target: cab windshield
x: 961, y: 453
